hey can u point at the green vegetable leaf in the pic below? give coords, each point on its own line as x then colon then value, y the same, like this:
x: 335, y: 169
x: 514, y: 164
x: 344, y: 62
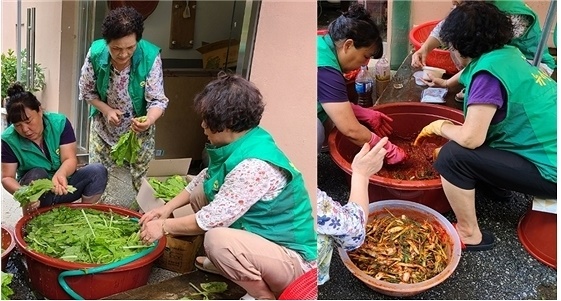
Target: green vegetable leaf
x: 168, y: 189
x: 127, y: 147
x: 32, y: 192
x: 7, y: 291
x: 214, y: 287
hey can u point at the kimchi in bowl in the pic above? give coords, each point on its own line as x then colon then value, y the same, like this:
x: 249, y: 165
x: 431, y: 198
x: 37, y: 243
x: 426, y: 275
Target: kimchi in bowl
x: 375, y: 274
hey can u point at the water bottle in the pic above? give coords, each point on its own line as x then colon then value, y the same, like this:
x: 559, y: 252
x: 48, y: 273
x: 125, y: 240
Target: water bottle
x: 363, y: 87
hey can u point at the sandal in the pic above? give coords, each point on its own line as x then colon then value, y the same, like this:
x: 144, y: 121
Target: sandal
x: 487, y: 242
x: 460, y: 96
x: 204, y: 264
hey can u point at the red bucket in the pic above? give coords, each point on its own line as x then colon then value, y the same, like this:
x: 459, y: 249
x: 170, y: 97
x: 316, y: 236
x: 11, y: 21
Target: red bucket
x: 437, y: 57
x: 408, y: 120
x: 44, y: 270
x: 8, y: 244
x: 537, y: 232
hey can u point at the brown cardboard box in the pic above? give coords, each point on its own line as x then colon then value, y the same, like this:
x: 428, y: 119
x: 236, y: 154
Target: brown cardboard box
x: 214, y: 54
x: 180, y: 253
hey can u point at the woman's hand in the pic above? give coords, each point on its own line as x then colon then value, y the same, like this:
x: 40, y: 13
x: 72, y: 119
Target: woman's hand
x: 369, y: 161
x: 435, y: 82
x: 162, y: 212
x: 59, y: 182
x: 113, y: 116
x: 138, y: 126
x: 152, y: 231
x: 419, y: 58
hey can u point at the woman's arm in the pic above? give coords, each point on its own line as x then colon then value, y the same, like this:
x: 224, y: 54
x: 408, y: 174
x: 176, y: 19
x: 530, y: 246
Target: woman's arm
x: 343, y: 117
x: 156, y: 99
x: 69, y: 162
x: 9, y: 181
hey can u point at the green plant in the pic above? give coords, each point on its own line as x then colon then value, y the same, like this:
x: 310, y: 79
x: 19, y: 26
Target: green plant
x: 9, y: 73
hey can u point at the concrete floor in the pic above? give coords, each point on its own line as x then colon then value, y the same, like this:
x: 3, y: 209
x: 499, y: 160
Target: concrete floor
x: 506, y: 272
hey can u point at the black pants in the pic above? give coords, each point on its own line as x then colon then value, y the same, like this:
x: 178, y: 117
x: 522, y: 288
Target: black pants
x: 468, y: 168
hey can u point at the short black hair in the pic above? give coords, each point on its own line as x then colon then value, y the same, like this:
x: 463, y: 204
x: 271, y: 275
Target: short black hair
x: 357, y: 25
x: 17, y: 101
x: 121, y: 22
x: 475, y: 27
x: 230, y: 102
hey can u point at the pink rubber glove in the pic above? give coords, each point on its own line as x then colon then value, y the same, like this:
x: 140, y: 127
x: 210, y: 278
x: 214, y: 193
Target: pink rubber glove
x: 376, y: 121
x: 394, y: 154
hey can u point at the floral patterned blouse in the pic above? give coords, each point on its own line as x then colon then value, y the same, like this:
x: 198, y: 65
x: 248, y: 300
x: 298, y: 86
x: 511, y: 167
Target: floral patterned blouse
x: 337, y: 226
x: 118, y: 97
x: 234, y: 198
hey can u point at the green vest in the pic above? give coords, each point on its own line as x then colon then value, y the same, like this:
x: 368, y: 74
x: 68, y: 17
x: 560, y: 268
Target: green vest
x: 141, y: 64
x: 528, y: 42
x: 28, y: 154
x: 286, y: 220
x: 530, y: 126
x: 326, y: 57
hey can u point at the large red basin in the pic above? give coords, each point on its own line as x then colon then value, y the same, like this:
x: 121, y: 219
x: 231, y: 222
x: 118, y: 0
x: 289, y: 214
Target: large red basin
x: 44, y: 270
x: 408, y: 120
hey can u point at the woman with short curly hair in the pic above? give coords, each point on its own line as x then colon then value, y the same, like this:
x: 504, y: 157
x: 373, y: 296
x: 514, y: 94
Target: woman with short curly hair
x: 122, y: 79
x: 251, y: 201
x: 509, y: 136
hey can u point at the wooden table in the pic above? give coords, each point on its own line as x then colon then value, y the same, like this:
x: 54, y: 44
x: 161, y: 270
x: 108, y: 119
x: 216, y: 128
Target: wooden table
x: 411, y: 91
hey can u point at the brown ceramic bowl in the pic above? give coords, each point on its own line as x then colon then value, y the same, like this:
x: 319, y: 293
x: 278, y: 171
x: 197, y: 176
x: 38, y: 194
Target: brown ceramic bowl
x: 418, y: 212
x: 8, y: 244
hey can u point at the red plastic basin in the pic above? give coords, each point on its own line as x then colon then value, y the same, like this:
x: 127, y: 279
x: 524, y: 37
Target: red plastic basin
x: 44, y: 270
x: 408, y: 120
x: 8, y: 244
x: 537, y: 232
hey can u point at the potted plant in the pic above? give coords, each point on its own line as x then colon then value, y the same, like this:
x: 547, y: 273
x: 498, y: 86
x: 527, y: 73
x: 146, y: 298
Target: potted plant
x: 9, y: 73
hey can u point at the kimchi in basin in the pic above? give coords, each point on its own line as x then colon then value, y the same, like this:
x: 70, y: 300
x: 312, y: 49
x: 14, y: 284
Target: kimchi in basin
x: 417, y: 212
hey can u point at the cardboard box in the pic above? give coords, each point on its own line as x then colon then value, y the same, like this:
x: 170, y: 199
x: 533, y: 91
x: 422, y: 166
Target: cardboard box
x: 180, y: 251
x: 214, y: 54
x: 161, y: 170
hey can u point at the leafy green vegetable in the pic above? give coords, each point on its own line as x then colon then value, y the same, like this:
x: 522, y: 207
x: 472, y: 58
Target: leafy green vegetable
x: 209, y: 288
x: 32, y: 192
x: 169, y: 188
x: 7, y: 291
x: 83, y: 235
x: 127, y: 147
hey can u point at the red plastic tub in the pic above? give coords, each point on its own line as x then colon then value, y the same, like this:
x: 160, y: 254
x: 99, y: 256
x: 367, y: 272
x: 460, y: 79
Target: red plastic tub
x: 437, y: 57
x: 44, y: 270
x: 537, y: 232
x: 408, y: 120
x: 8, y: 244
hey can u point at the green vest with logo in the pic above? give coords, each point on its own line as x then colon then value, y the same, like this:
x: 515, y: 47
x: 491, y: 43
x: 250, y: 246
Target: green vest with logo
x: 141, y: 63
x: 28, y: 154
x: 287, y: 219
x: 530, y: 126
x: 528, y: 42
x: 326, y: 57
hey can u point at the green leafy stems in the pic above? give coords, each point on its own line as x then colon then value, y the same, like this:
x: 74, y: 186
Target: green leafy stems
x: 31, y: 193
x: 126, y: 149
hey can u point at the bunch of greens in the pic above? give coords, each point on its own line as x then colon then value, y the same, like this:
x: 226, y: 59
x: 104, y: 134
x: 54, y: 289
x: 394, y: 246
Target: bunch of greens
x: 32, y: 192
x: 169, y: 188
x: 209, y: 288
x: 127, y: 147
x: 84, y: 235
x: 7, y: 291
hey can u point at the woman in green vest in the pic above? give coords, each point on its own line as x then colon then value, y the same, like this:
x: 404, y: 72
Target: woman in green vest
x: 42, y: 145
x: 122, y: 80
x: 251, y: 201
x: 509, y: 136
x: 526, y: 36
x: 352, y: 40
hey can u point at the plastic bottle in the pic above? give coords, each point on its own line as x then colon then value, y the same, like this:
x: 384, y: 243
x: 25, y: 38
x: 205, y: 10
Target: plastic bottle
x: 363, y: 86
x: 383, y: 75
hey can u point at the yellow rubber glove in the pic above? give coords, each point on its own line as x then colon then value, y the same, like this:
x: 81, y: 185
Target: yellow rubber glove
x: 432, y: 129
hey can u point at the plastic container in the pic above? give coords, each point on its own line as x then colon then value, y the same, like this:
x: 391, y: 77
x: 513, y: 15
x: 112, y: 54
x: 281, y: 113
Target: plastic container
x: 537, y: 232
x: 304, y: 287
x: 437, y: 57
x: 417, y: 212
x: 8, y: 244
x: 408, y: 120
x: 44, y: 270
x: 363, y: 86
x: 383, y: 75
